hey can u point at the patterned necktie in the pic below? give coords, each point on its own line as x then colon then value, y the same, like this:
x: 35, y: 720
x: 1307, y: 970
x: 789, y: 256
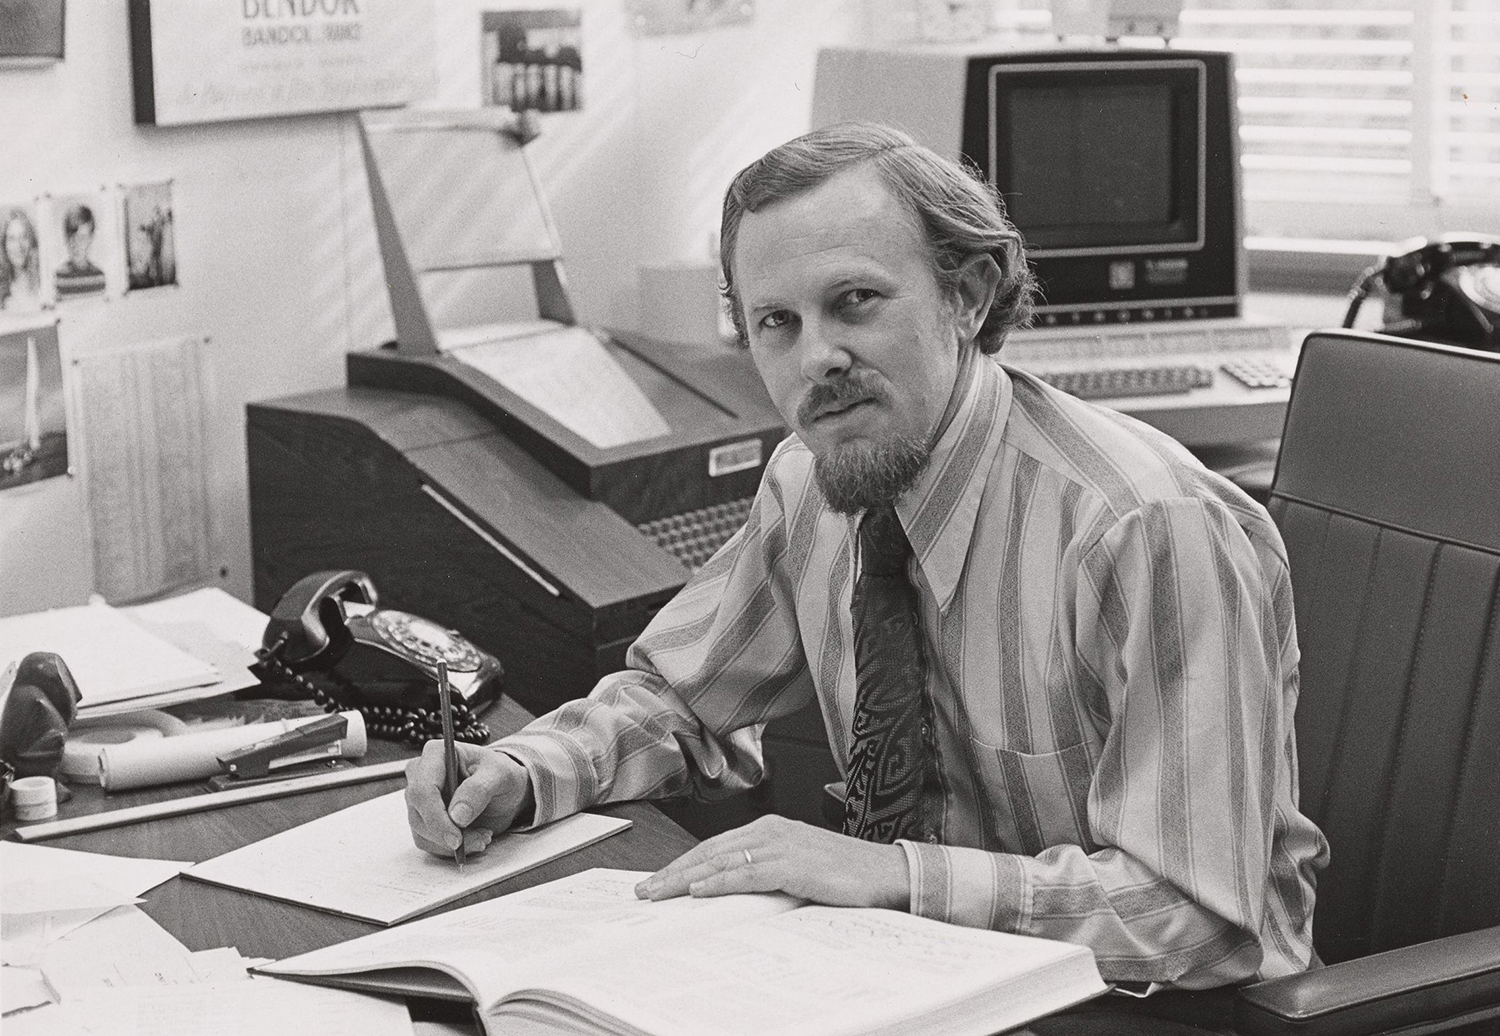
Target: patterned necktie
x: 888, y: 760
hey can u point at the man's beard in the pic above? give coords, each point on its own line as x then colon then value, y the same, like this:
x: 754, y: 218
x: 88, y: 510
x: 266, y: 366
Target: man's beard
x: 862, y: 475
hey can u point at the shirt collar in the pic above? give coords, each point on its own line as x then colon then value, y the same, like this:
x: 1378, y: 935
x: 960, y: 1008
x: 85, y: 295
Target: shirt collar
x: 940, y: 511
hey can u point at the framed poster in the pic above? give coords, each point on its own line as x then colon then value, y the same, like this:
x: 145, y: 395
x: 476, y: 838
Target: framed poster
x: 195, y: 61
x: 31, y: 32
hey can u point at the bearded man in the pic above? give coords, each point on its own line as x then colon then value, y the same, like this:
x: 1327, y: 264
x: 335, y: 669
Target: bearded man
x: 1055, y: 655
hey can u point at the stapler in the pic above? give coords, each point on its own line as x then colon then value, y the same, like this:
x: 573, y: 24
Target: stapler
x: 321, y: 741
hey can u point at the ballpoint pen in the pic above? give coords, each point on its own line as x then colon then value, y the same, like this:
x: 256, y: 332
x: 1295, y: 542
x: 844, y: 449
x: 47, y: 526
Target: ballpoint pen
x: 450, y: 751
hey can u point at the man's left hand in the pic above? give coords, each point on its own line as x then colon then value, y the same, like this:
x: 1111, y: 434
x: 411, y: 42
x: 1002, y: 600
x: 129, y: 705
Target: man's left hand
x: 774, y: 854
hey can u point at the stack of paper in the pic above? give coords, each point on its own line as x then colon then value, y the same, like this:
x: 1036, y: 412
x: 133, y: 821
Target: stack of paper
x: 46, y: 893
x: 184, y: 648
x: 119, y: 973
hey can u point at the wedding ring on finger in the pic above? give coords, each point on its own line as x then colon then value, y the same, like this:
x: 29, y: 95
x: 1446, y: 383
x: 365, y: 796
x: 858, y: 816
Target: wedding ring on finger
x: 749, y: 860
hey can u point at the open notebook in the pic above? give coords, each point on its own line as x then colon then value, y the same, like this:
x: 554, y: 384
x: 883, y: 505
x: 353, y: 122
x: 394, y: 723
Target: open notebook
x: 583, y: 955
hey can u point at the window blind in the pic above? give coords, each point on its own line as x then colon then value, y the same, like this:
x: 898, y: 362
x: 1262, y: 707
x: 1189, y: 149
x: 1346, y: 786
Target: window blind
x: 1359, y: 119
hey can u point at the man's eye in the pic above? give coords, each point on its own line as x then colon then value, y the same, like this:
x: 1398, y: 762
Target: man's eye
x: 779, y: 318
x: 856, y: 296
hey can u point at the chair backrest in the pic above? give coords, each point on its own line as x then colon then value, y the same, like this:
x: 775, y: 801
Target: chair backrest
x: 1387, y: 492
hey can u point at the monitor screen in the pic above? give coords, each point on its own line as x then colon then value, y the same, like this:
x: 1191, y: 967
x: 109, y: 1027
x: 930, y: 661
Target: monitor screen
x: 1095, y: 155
x: 1119, y: 165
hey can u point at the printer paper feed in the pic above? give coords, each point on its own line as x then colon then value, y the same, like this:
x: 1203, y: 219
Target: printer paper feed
x: 572, y: 378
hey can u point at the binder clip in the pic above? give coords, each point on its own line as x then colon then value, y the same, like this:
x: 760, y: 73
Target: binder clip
x: 310, y: 742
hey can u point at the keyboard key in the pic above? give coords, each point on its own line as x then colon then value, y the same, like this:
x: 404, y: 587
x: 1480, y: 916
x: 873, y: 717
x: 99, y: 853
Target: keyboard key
x: 1105, y: 383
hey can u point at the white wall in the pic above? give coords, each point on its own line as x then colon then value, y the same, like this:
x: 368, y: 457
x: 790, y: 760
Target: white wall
x: 277, y: 260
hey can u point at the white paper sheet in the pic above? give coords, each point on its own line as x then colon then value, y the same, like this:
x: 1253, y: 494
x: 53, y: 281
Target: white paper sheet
x: 21, y: 988
x: 145, y: 468
x: 126, y: 947
x: 111, y: 658
x: 73, y: 897
x: 571, y: 377
x: 262, y: 1007
x: 394, y: 880
x: 210, y: 624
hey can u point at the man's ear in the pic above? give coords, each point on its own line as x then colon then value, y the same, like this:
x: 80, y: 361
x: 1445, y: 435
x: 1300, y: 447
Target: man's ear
x: 978, y: 279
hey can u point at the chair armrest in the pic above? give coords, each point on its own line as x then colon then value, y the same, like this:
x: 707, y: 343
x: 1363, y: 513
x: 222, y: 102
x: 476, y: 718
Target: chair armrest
x: 1452, y: 980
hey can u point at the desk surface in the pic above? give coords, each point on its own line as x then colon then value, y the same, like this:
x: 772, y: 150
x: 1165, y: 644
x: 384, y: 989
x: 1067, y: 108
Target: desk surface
x: 205, y: 916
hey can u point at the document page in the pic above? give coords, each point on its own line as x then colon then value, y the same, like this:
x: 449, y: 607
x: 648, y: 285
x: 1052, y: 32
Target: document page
x: 531, y: 936
x: 45, y: 893
x: 570, y: 376
x: 142, y: 410
x: 262, y: 1007
x: 111, y: 658
x: 829, y: 970
x: 393, y: 880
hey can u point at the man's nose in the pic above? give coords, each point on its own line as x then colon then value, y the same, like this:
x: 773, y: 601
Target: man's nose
x: 824, y: 353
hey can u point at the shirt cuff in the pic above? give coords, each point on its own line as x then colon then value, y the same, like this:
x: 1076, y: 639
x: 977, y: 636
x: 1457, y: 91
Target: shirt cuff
x: 969, y: 887
x: 562, y: 778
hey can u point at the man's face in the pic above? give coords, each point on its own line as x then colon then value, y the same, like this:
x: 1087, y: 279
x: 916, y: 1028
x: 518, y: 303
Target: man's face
x: 79, y: 243
x: 850, y: 332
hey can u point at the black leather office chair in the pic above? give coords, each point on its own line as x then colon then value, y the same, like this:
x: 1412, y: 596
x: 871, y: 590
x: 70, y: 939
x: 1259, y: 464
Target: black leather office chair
x: 1387, y: 492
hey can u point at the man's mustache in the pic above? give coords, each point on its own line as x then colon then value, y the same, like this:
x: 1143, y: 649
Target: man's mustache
x: 836, y: 395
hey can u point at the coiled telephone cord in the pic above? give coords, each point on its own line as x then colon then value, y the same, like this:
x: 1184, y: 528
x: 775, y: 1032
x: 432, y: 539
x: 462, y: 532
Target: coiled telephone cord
x: 393, y: 723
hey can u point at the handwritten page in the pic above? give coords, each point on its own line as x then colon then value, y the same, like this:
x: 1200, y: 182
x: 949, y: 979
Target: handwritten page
x: 394, y: 880
x: 504, y: 944
x: 570, y: 376
x: 112, y: 658
x: 260, y: 1007
x: 126, y: 947
x: 886, y: 971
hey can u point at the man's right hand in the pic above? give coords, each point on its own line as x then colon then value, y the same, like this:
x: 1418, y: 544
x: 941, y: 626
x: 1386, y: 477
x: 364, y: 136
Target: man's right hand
x: 493, y: 792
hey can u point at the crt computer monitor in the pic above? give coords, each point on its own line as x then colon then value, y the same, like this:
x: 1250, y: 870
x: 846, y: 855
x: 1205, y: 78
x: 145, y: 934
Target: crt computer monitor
x: 1118, y: 165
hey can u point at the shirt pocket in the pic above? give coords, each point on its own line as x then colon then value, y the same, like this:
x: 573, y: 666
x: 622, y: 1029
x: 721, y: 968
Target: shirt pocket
x: 1038, y: 799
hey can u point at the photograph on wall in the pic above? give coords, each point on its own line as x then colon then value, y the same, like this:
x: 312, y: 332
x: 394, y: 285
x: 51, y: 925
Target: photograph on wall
x: 150, y: 249
x: 33, y: 420
x: 20, y: 258
x: 77, y: 239
x: 31, y: 32
x: 532, y: 60
x: 664, y: 17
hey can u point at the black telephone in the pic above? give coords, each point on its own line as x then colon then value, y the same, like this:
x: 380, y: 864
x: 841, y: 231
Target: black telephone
x: 387, y: 660
x: 1445, y: 291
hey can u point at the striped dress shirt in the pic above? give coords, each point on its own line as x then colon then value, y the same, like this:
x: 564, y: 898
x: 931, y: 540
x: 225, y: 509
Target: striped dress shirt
x: 1112, y: 672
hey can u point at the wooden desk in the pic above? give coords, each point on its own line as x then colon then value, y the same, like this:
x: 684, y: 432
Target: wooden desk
x: 205, y: 916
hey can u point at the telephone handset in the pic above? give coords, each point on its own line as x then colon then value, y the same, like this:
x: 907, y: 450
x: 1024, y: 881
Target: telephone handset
x: 386, y: 660
x: 1445, y: 291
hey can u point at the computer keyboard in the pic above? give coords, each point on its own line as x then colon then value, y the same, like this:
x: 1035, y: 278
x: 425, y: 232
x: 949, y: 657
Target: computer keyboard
x: 693, y: 536
x: 1259, y: 372
x: 1114, y: 382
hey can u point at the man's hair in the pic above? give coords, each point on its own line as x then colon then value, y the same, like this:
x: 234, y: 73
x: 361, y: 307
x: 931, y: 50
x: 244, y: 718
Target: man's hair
x: 77, y: 216
x: 960, y: 214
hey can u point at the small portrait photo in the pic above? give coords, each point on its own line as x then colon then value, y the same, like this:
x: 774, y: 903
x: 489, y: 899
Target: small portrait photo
x: 33, y: 419
x: 20, y: 259
x: 150, y: 250
x: 532, y: 60
x: 80, y: 230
